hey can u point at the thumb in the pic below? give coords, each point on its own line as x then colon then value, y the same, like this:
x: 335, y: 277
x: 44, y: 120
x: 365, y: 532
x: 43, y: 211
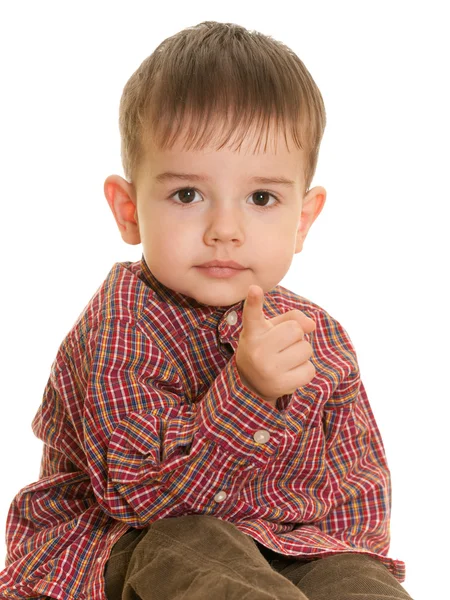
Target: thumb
x: 252, y: 313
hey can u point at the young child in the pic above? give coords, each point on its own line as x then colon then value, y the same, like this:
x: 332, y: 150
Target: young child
x: 206, y: 431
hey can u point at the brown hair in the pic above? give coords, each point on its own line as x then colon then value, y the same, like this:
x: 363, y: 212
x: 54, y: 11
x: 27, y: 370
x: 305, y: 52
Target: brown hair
x: 214, y: 72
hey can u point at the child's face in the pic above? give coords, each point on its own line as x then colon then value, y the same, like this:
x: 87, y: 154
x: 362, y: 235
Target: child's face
x: 186, y: 221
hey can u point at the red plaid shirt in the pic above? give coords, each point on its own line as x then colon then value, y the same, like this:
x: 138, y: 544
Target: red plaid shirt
x: 144, y: 417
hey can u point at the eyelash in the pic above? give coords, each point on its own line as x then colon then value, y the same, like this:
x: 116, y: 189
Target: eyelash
x: 195, y: 190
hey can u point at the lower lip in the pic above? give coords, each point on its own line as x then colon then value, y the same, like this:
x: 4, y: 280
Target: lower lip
x: 220, y: 272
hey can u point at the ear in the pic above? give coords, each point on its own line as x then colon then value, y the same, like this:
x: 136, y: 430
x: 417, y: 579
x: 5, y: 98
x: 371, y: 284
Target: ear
x: 313, y: 202
x: 121, y: 197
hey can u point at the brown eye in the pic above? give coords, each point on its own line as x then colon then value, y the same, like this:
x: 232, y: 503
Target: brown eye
x: 261, y: 198
x: 185, y: 195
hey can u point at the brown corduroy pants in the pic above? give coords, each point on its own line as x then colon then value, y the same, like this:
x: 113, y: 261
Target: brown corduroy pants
x: 200, y: 557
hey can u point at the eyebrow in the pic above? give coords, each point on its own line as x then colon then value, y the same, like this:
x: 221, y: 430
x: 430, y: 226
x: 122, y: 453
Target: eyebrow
x: 168, y: 175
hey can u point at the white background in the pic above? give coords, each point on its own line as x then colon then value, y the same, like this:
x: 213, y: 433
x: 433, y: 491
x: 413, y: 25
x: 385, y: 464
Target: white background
x: 377, y: 259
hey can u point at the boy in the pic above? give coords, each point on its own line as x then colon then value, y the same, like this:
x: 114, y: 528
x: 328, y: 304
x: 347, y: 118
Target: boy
x: 206, y: 431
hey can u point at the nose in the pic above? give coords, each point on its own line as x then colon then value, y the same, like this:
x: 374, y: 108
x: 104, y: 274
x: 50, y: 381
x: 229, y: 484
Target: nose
x: 224, y: 224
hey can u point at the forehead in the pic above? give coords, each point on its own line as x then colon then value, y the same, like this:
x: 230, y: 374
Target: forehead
x: 260, y: 167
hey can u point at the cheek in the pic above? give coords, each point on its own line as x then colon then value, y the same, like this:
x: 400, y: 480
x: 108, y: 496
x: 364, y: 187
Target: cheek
x: 172, y: 241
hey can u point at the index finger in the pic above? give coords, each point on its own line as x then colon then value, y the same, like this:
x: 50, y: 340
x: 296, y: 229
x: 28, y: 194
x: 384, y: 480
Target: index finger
x: 252, y: 313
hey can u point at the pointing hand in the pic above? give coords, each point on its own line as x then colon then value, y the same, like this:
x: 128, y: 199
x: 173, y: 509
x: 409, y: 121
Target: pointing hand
x: 272, y: 356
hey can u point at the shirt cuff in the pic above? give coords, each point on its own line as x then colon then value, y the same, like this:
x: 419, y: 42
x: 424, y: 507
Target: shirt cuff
x: 238, y: 420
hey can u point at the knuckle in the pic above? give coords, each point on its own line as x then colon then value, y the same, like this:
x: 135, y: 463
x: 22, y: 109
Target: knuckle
x: 295, y: 327
x: 293, y: 323
x: 307, y: 373
x: 256, y: 356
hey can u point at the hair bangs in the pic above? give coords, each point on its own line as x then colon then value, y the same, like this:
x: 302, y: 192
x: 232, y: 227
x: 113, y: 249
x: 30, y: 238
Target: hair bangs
x: 216, y: 129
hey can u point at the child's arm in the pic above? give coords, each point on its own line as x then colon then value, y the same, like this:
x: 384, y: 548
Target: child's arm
x: 356, y: 462
x: 127, y: 423
x: 361, y: 479
x: 123, y: 446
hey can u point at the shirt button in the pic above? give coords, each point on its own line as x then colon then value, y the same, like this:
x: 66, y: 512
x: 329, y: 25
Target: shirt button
x: 220, y: 497
x: 232, y: 318
x: 262, y: 436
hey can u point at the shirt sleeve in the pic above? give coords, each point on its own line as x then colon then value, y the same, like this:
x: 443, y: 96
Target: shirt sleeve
x: 358, y: 469
x: 150, y: 453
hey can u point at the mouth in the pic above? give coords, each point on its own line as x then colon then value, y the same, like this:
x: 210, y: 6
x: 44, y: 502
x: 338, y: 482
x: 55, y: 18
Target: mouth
x: 220, y: 272
x: 222, y: 264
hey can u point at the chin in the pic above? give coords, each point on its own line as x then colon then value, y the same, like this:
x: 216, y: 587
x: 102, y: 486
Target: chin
x: 218, y: 300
